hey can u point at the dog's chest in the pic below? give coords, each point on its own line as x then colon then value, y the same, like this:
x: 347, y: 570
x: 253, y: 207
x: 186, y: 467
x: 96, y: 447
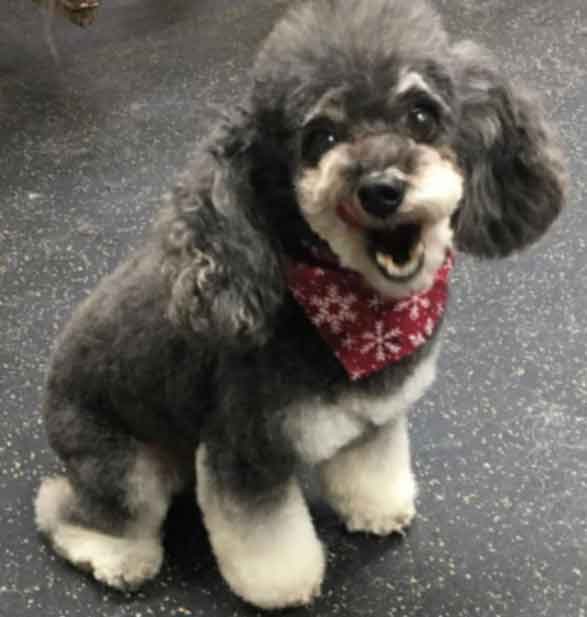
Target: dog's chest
x: 317, y: 430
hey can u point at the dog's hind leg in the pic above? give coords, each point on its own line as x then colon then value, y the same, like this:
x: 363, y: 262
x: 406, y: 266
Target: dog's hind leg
x: 105, y: 515
x: 265, y: 544
x: 371, y: 484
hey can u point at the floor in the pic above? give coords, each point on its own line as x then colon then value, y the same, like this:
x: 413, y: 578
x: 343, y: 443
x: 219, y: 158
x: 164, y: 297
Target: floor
x: 93, y: 125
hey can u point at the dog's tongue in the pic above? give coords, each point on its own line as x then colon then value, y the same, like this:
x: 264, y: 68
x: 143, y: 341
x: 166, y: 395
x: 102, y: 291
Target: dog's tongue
x: 345, y: 213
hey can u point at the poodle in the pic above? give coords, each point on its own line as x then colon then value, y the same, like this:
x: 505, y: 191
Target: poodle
x: 287, y: 306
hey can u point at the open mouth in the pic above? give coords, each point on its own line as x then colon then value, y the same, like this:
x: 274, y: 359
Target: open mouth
x: 398, y: 252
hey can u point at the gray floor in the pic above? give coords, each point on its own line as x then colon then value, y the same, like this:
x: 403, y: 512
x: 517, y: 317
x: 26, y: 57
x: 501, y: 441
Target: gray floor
x: 87, y: 147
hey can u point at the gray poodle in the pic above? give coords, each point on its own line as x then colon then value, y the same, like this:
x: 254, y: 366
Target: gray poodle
x: 287, y: 307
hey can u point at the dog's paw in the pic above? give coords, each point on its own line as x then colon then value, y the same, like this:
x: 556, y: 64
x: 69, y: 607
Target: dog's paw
x: 285, y: 574
x: 269, y: 555
x: 370, y: 502
x: 121, y: 563
x: 382, y: 519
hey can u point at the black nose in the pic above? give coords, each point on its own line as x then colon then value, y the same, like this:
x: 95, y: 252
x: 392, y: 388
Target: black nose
x: 382, y: 197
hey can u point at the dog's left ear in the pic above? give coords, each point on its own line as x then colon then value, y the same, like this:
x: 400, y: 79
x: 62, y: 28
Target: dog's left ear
x: 514, y: 174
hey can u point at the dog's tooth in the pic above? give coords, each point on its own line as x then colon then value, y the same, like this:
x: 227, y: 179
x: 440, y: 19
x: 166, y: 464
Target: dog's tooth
x: 387, y: 262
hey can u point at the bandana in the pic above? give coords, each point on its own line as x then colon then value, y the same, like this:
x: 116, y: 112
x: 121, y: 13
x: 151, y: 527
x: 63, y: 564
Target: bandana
x: 366, y: 331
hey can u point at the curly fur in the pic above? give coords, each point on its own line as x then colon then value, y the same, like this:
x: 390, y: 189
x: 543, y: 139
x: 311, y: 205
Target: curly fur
x: 195, y: 341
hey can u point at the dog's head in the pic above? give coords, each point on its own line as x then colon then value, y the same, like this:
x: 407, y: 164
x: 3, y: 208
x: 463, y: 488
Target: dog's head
x: 379, y: 179
x: 388, y: 142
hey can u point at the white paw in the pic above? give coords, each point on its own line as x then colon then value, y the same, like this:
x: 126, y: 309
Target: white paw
x: 269, y: 555
x: 122, y: 562
x: 131, y: 571
x: 278, y: 577
x: 371, y: 502
x: 272, y: 560
x: 381, y: 519
x: 119, y: 562
x: 371, y: 485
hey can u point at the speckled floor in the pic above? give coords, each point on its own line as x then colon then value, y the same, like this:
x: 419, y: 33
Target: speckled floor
x: 87, y: 147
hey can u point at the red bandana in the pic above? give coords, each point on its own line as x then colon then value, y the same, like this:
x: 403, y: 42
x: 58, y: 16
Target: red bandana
x: 366, y: 331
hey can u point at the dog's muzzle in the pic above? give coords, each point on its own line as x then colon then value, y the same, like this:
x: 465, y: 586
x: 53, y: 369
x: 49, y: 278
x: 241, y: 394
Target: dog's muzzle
x: 393, y: 244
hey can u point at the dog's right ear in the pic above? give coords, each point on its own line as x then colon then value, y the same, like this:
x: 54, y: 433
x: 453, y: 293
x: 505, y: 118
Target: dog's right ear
x: 224, y: 273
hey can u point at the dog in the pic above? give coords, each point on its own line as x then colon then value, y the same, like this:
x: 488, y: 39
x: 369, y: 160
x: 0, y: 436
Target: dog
x: 287, y: 306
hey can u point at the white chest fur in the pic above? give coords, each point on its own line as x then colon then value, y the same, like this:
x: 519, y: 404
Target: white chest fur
x: 318, y: 430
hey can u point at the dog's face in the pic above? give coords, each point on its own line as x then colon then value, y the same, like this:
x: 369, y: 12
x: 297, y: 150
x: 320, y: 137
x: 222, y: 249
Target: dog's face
x: 379, y: 180
x: 396, y: 141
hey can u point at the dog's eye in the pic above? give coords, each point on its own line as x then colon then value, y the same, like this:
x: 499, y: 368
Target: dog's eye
x: 422, y: 123
x: 317, y: 141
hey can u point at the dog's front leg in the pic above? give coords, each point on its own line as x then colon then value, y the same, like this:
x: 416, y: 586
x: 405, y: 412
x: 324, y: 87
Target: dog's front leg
x: 371, y: 484
x: 265, y: 544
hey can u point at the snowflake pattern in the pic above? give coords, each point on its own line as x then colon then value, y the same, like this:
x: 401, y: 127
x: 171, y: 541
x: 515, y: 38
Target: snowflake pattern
x: 375, y: 302
x: 417, y: 339
x: 415, y: 305
x: 383, y: 343
x: 333, y: 309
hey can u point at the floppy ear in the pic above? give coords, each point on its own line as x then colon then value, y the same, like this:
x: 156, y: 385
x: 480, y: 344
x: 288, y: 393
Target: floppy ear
x: 224, y: 274
x: 514, y: 174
